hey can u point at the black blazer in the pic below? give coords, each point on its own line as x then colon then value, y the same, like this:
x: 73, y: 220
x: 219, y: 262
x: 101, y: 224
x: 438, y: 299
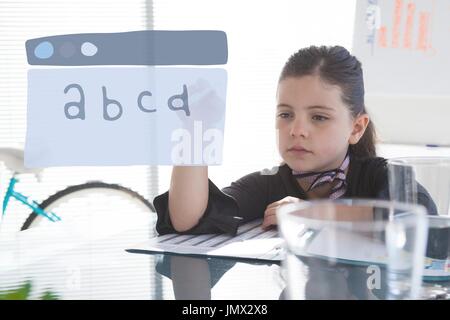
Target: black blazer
x: 247, y: 198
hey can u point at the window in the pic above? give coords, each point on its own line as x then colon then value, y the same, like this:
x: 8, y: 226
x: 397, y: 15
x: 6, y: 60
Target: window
x: 25, y: 19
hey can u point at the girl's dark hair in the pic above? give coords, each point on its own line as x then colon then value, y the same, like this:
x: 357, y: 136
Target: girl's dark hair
x: 336, y: 66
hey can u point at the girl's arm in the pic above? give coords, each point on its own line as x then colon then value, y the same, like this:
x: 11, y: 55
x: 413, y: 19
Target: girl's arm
x: 188, y: 196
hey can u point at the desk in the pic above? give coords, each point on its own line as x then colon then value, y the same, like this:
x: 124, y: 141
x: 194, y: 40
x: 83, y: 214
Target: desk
x: 84, y: 264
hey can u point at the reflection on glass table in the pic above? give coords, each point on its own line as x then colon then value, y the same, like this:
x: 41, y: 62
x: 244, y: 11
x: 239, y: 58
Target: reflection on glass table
x: 74, y: 264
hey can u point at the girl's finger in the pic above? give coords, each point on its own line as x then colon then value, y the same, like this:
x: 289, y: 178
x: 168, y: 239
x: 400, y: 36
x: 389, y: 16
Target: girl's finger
x: 269, y: 221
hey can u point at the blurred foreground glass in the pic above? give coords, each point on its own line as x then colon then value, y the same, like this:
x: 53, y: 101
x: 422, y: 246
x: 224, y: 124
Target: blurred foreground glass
x: 353, y: 249
x: 420, y: 179
x: 426, y: 181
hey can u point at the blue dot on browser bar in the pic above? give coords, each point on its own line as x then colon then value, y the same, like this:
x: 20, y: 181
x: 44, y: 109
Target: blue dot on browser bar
x: 44, y: 50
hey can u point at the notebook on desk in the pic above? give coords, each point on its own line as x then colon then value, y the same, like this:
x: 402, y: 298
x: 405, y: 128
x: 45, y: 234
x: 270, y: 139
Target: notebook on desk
x: 253, y: 242
x: 250, y: 242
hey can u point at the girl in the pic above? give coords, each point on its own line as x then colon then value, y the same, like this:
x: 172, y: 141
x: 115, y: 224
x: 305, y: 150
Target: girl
x: 326, y: 140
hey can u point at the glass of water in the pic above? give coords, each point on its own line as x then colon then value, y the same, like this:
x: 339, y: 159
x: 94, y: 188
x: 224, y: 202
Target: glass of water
x: 357, y: 249
x: 426, y: 181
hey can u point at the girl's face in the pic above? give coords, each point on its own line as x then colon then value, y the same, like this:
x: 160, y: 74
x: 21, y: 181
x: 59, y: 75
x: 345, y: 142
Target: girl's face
x: 314, y: 125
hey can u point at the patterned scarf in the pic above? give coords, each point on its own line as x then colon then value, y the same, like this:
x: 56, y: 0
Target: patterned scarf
x: 317, y: 179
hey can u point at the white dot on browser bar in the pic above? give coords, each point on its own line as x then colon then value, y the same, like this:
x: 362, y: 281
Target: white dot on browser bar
x: 88, y: 49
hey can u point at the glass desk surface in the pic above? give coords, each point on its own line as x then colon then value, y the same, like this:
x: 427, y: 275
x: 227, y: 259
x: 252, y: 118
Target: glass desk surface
x: 92, y: 263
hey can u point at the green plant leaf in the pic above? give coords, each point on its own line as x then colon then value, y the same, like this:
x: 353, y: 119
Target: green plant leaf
x: 48, y: 295
x: 20, y: 293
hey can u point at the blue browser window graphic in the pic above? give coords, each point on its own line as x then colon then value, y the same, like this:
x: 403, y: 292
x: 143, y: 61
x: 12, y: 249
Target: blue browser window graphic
x: 126, y: 107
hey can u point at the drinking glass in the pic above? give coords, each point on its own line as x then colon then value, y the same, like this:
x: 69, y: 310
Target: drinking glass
x: 426, y: 181
x: 353, y: 249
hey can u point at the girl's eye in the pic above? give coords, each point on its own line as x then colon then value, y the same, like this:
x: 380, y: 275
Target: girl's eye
x: 319, y: 118
x: 284, y: 115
